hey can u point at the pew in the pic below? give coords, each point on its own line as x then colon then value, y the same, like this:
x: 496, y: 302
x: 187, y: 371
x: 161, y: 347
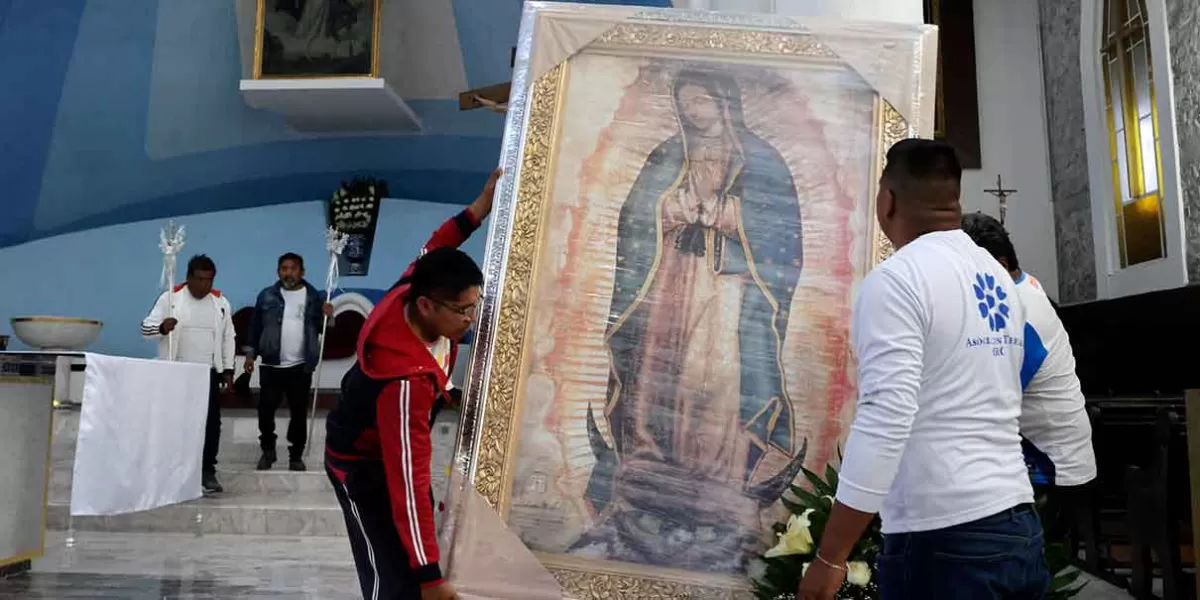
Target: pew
x: 1136, y: 377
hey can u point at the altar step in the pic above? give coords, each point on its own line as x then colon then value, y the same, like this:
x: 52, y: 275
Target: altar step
x: 291, y: 514
x: 239, y: 481
x: 257, y: 503
x: 273, y: 503
x: 239, y: 436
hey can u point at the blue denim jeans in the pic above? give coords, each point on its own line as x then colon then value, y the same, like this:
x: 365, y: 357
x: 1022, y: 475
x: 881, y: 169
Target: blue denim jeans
x: 998, y: 557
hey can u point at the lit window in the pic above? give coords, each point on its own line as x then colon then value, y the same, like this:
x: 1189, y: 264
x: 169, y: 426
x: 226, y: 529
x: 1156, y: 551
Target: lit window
x: 1133, y: 132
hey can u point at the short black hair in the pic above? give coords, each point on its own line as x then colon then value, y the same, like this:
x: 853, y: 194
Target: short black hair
x: 201, y: 262
x: 443, y: 274
x: 292, y: 256
x: 989, y: 234
x: 918, y: 160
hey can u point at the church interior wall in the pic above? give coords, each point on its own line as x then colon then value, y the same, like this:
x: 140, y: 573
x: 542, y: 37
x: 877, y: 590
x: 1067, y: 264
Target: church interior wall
x: 1013, y: 133
x: 105, y: 138
x: 1012, y: 115
x: 1183, y: 19
x: 112, y: 273
x: 1070, y: 197
x: 130, y: 110
x: 1074, y: 191
x: 128, y: 113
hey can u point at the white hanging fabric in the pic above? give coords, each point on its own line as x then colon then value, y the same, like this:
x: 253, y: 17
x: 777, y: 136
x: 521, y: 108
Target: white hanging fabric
x: 141, y: 432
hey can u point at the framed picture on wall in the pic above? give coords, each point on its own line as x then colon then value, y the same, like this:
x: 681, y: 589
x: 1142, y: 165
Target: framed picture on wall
x: 687, y: 207
x: 317, y: 38
x: 956, y: 117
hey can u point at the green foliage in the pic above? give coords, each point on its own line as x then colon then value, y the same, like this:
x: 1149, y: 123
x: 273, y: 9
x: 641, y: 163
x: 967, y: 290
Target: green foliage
x: 780, y: 576
x: 1058, y: 554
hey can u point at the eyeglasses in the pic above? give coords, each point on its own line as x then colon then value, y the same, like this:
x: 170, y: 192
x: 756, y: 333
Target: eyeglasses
x: 465, y: 311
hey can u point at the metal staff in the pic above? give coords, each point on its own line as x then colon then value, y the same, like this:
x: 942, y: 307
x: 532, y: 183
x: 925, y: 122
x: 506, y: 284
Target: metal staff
x: 335, y: 242
x: 170, y: 241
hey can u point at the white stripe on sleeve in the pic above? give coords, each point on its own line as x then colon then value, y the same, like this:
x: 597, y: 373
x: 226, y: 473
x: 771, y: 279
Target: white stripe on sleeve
x: 406, y: 467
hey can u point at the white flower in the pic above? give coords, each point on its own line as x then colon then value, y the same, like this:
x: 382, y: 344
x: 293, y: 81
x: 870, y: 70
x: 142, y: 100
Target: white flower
x: 371, y: 189
x: 858, y: 573
x: 796, y: 540
x: 756, y: 569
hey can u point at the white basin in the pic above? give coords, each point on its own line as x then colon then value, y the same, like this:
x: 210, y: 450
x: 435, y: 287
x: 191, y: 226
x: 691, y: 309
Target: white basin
x: 56, y: 333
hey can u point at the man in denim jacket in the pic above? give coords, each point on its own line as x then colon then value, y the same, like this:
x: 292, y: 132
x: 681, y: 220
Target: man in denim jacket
x: 285, y: 333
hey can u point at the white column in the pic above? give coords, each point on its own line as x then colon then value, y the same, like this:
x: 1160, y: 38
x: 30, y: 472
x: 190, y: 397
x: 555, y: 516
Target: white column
x: 904, y: 11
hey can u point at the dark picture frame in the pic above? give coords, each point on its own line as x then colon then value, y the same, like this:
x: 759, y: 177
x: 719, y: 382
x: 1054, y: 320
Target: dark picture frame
x: 956, y: 113
x: 303, y: 39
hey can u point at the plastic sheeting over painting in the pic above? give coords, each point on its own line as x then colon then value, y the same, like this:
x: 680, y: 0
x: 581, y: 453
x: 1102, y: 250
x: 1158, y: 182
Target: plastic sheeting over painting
x: 487, y: 560
x: 687, y: 207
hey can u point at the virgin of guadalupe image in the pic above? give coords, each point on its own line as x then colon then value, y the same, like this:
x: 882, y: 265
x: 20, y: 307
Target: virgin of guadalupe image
x: 709, y: 251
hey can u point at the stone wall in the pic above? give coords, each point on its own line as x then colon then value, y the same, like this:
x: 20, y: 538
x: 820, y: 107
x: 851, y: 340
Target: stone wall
x: 1060, y: 28
x: 1068, y: 149
x: 1183, y: 17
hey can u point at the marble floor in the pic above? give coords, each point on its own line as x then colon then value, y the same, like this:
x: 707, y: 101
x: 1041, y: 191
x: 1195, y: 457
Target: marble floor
x: 130, y: 566
x: 163, y: 565
x: 271, y: 535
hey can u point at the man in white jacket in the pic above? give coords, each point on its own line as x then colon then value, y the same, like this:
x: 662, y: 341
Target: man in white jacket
x: 935, y: 447
x: 201, y: 321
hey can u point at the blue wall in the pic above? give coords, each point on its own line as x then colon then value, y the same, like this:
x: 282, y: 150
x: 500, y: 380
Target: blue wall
x: 112, y: 273
x: 120, y: 110
x: 118, y: 114
x: 114, y: 111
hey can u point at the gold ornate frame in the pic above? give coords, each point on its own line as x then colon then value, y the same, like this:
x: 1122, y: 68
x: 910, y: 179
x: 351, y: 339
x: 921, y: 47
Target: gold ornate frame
x: 260, y: 33
x: 488, y: 437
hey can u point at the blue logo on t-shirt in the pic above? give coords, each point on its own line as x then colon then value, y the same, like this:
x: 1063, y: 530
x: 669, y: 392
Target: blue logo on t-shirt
x: 992, y: 305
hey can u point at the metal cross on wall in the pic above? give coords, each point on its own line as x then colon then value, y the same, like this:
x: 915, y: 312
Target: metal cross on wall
x: 1003, y: 195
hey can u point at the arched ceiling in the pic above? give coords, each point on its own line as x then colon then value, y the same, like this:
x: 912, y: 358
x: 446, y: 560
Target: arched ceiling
x: 115, y: 111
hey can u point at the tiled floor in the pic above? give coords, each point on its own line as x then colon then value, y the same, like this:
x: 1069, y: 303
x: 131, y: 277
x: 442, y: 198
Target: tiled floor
x: 157, y: 566
x: 160, y: 565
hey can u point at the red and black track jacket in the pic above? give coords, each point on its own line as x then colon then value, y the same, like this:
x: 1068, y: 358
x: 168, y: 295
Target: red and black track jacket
x: 385, y: 412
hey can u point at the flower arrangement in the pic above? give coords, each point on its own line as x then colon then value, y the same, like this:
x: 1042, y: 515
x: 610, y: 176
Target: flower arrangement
x: 778, y: 572
x: 798, y: 538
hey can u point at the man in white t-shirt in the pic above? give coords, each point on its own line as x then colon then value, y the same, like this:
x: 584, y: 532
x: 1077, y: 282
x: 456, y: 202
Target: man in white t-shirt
x: 935, y: 447
x: 202, y: 322
x: 285, y: 332
x: 1054, y: 422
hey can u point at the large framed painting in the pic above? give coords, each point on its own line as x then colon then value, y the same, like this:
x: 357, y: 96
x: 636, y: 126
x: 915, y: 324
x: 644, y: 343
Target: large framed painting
x: 316, y: 38
x: 687, y: 207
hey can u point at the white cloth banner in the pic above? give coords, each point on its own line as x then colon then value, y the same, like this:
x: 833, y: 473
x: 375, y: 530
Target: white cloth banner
x: 141, y: 433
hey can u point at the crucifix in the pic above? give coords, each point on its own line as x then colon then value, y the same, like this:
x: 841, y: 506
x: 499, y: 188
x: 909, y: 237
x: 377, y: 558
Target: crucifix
x: 1003, y: 195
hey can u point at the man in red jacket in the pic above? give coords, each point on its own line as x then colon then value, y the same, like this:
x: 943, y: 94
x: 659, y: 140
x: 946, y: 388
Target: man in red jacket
x: 377, y: 446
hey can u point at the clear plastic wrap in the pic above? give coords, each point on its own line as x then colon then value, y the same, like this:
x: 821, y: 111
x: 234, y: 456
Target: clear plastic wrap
x: 687, y: 206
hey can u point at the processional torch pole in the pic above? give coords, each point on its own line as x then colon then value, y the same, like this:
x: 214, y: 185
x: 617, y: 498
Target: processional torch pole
x: 170, y: 241
x: 335, y: 242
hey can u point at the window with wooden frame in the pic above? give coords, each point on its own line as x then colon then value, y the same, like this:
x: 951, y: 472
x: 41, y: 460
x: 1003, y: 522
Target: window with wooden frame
x: 1133, y: 132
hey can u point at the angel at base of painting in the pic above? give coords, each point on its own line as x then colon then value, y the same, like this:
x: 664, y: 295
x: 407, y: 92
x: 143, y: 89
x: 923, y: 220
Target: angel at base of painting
x: 699, y: 432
